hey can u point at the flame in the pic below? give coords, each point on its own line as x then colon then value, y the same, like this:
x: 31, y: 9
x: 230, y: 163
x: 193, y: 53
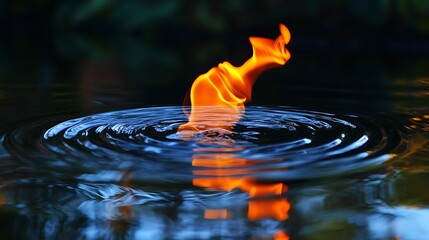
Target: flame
x: 226, y: 88
x: 217, y: 101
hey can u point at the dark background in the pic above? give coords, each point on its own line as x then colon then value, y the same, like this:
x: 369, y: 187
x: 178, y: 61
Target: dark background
x: 95, y: 55
x: 71, y: 58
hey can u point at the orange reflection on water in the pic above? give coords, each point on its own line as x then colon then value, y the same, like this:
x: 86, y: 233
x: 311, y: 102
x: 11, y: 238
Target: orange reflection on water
x: 217, y: 214
x: 276, y: 208
x: 225, y: 164
x: 266, y: 199
x: 120, y: 224
x: 2, y: 196
x: 280, y: 235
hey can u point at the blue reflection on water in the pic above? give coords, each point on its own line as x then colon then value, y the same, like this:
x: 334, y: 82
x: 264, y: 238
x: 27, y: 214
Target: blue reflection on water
x: 128, y: 174
x: 309, y: 144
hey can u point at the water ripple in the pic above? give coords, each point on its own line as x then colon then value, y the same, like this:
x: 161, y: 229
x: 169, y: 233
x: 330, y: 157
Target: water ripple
x: 280, y: 143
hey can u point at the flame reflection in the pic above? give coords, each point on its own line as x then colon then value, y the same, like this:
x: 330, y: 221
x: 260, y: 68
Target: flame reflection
x: 266, y: 199
x: 220, y: 172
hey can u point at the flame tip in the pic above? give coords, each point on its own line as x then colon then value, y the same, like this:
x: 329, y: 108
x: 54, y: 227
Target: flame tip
x: 285, y: 33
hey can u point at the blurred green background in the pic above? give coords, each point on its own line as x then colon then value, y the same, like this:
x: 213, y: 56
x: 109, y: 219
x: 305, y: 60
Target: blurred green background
x: 91, y: 54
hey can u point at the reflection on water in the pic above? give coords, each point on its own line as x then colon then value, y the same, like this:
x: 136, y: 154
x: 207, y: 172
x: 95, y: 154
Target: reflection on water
x: 369, y: 209
x: 267, y: 199
x: 280, y: 143
x: 104, y: 211
x: 355, y: 168
x: 293, y: 173
x: 290, y: 172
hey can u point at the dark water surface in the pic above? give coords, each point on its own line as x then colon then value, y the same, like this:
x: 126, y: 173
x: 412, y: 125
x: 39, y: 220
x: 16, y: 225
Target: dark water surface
x: 278, y: 143
x: 322, y: 156
x: 334, y: 146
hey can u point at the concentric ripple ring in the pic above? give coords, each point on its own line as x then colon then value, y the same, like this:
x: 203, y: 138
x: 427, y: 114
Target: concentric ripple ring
x: 281, y: 143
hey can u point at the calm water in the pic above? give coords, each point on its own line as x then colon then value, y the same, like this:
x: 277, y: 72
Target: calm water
x: 339, y: 151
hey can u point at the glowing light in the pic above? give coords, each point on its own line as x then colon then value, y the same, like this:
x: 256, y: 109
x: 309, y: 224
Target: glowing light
x: 217, y: 103
x: 280, y: 235
x: 217, y: 214
x: 276, y: 208
x: 226, y: 88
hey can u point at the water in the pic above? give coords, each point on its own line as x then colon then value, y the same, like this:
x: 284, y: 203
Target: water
x: 281, y: 172
x: 278, y: 143
x: 335, y: 146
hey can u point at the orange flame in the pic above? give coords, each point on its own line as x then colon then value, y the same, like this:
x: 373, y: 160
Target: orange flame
x: 227, y: 88
x: 217, y: 99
